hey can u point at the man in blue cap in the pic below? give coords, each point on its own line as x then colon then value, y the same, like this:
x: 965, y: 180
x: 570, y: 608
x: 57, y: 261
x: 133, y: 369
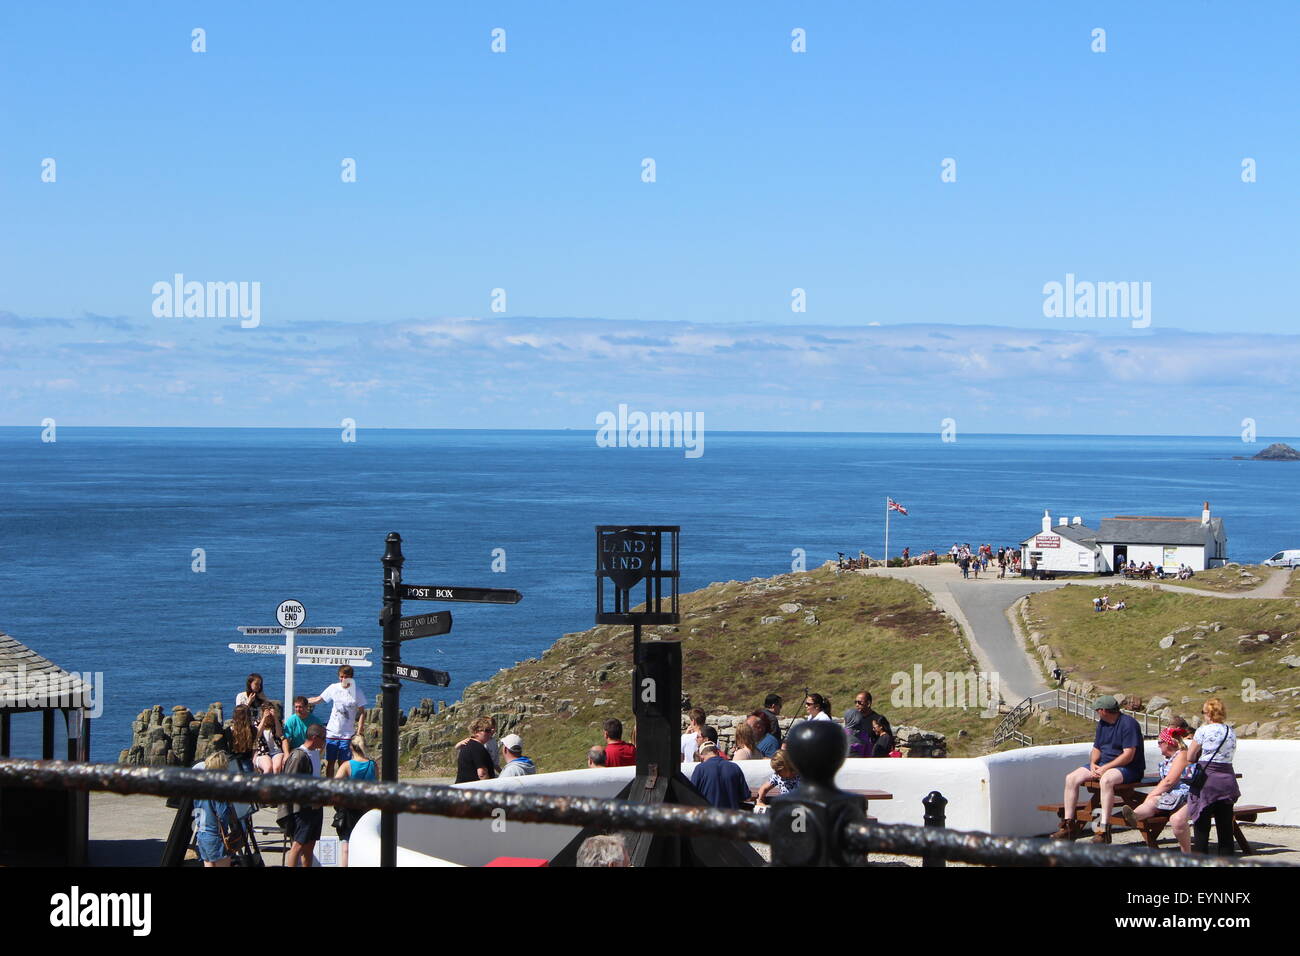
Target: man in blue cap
x: 1117, y: 757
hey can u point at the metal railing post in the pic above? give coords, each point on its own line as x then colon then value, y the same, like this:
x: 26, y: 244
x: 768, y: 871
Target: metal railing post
x: 807, y: 826
x: 935, y: 804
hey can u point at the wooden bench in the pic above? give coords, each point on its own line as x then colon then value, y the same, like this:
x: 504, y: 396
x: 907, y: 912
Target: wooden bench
x: 1151, y: 827
x: 1242, y: 813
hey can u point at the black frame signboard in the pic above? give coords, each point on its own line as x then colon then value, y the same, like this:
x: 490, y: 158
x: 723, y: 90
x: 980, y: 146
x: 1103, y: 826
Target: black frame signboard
x: 637, y: 565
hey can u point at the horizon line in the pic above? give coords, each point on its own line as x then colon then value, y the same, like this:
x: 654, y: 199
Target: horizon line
x: 593, y: 428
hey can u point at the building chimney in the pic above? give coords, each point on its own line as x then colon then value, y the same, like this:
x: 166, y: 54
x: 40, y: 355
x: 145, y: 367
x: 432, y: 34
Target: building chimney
x: 1062, y: 521
x: 1077, y: 520
x: 1205, y: 513
x: 1047, y: 521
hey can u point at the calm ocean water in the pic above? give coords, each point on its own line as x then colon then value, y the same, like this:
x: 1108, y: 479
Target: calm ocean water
x: 95, y: 554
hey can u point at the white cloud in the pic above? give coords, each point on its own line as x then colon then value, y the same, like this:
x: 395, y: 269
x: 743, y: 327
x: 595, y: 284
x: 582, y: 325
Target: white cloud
x: 560, y: 371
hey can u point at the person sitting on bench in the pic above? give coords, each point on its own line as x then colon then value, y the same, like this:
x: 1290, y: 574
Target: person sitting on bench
x: 1170, y: 795
x: 1116, y: 758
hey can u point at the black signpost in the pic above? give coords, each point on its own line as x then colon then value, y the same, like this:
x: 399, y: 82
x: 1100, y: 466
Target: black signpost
x: 397, y: 629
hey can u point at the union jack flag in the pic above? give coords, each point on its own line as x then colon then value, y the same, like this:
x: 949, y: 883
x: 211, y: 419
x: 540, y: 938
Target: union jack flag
x: 895, y: 506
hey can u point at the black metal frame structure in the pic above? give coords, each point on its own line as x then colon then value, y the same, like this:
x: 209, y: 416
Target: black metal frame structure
x: 652, y: 578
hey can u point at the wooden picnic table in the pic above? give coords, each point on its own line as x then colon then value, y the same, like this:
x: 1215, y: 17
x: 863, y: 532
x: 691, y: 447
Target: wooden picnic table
x: 1134, y: 795
x: 866, y: 795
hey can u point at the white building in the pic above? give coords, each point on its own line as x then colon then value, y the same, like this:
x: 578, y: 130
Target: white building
x: 1199, y: 543
x: 1071, y: 546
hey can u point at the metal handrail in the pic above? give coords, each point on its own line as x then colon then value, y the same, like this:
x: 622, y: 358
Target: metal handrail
x: 468, y: 803
x: 1071, y: 703
x: 1009, y: 726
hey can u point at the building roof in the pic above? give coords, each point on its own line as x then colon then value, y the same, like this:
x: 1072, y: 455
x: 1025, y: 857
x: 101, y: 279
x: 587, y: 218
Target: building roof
x: 1078, y: 533
x: 1139, y: 529
x: 29, y: 681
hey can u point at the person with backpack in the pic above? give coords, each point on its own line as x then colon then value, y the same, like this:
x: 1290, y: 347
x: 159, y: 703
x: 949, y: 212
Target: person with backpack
x: 302, y: 822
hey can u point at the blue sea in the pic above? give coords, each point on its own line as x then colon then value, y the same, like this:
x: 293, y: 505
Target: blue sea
x: 99, y: 529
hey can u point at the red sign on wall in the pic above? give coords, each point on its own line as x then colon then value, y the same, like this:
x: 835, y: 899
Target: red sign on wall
x: 1047, y: 541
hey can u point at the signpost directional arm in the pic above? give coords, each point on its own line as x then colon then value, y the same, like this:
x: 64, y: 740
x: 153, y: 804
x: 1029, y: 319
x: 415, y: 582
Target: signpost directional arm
x: 425, y: 675
x: 416, y: 592
x: 424, y: 625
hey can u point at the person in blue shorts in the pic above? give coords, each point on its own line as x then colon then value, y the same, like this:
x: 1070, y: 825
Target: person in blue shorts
x: 1117, y: 757
x: 347, y: 719
x: 210, y: 816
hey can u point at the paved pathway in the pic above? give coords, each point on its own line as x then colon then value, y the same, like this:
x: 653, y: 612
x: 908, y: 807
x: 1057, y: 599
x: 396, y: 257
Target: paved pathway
x: 980, y: 607
x: 1272, y: 588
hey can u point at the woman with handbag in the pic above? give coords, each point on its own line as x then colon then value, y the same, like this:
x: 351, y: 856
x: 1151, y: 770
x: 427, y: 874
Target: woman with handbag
x: 212, y: 819
x: 1171, y: 794
x: 1213, y: 784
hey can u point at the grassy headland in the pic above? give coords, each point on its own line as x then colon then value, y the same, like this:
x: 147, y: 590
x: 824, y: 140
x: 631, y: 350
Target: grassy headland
x: 1231, y: 578
x: 1173, y: 650
x: 1293, y: 584
x: 850, y: 632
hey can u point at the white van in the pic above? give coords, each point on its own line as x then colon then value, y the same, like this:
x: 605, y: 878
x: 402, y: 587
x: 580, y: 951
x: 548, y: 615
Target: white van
x: 1283, y: 559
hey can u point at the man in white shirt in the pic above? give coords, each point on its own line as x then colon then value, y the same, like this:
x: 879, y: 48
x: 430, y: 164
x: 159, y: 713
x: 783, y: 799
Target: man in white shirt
x: 347, y: 718
x: 698, y: 718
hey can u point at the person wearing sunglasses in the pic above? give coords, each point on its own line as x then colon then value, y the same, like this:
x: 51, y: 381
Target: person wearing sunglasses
x: 817, y: 707
x: 860, y: 727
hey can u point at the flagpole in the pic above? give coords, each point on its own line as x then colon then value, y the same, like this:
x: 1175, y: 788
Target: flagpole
x: 886, y: 531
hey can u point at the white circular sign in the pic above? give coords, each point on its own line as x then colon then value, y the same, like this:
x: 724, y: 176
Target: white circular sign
x: 291, y: 614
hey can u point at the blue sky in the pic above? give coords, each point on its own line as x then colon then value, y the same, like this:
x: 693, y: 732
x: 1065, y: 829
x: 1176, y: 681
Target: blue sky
x: 775, y: 170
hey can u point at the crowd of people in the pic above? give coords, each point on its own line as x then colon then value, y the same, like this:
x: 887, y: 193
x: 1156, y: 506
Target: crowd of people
x: 259, y: 741
x: 718, y: 778
x: 1146, y: 570
x: 1197, y: 788
x: 1197, y: 784
x: 973, y: 561
x: 925, y: 557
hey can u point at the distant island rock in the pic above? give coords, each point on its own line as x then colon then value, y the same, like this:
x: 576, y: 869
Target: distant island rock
x: 1278, y: 452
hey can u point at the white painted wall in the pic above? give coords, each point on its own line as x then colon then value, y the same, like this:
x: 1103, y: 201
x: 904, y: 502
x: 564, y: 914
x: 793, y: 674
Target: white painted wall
x: 1191, y: 555
x: 475, y: 842
x: 1065, y: 558
x: 993, y: 794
